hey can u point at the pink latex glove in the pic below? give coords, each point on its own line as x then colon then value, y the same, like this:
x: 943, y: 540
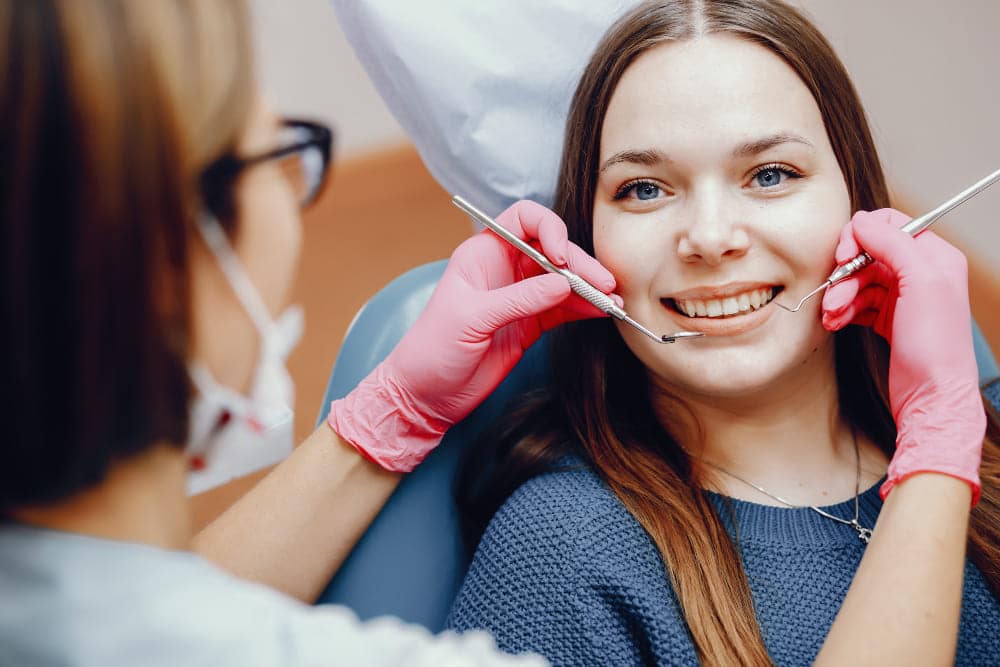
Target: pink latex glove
x: 916, y: 296
x: 491, y: 304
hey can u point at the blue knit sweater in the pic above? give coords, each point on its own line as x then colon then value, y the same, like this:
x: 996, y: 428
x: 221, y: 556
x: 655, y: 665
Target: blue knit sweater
x: 564, y: 570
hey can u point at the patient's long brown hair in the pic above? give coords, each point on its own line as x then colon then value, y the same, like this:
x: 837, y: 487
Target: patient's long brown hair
x: 599, y: 406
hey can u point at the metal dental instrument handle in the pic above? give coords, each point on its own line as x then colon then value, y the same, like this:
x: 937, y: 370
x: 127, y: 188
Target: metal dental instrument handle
x: 913, y: 227
x: 580, y: 286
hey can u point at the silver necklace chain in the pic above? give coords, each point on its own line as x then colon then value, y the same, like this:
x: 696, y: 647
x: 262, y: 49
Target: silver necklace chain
x: 864, y: 534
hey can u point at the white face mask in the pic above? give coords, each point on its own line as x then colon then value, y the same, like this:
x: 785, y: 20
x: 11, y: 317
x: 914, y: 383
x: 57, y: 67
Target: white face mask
x: 271, y: 396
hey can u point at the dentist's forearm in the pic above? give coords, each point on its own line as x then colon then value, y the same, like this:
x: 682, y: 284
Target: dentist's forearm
x: 295, y: 528
x: 904, y: 604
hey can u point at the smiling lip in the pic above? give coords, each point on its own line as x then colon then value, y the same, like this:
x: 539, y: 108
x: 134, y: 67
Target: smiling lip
x: 721, y: 326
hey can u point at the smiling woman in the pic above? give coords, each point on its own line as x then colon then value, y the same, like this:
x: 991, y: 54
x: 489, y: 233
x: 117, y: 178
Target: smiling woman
x: 715, y: 151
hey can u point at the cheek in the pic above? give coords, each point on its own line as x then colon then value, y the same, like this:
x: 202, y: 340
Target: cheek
x: 825, y: 234
x: 270, y: 238
x: 630, y: 251
x: 807, y: 233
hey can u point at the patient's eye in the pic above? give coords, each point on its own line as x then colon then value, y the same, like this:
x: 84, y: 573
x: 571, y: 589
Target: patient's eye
x: 772, y: 175
x: 641, y: 190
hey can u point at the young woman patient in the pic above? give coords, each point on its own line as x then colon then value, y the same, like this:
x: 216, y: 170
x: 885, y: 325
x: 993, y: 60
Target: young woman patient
x: 712, y: 500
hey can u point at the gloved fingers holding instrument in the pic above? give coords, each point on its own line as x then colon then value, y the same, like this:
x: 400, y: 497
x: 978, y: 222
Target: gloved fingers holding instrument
x: 542, y: 229
x: 489, y: 307
x: 916, y: 296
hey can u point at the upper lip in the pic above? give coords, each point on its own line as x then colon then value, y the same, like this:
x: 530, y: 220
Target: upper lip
x: 720, y: 291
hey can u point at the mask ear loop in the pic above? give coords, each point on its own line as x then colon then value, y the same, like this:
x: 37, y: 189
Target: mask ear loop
x: 215, y: 238
x: 288, y: 327
x: 231, y: 266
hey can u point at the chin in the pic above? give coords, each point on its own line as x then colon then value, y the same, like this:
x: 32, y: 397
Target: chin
x: 717, y: 370
x: 726, y: 383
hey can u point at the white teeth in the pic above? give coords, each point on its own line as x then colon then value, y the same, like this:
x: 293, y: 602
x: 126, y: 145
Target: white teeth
x: 731, y: 305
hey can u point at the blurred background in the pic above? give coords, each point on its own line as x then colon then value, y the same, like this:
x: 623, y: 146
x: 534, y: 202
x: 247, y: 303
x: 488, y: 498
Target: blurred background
x: 926, y: 72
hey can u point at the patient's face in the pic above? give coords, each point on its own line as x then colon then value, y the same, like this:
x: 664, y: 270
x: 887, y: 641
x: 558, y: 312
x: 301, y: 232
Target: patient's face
x: 719, y: 188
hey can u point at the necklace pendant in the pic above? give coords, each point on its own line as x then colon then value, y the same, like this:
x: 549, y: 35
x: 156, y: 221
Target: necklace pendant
x: 864, y: 534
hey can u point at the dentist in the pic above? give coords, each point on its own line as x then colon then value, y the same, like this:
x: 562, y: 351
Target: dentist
x: 150, y: 204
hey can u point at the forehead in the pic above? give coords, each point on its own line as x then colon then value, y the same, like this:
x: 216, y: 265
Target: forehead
x: 718, y: 87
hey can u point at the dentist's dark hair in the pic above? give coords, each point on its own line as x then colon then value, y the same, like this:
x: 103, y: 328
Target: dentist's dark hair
x: 600, y: 406
x: 109, y: 110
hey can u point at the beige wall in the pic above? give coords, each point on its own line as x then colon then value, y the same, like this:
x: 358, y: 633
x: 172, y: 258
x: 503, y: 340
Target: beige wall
x: 307, y: 68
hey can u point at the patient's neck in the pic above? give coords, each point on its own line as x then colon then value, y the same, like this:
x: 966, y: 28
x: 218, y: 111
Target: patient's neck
x: 788, y: 438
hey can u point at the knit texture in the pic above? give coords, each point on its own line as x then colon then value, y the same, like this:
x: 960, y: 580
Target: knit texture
x: 564, y: 570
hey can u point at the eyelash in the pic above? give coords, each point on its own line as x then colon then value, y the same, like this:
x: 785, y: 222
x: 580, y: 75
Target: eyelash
x: 776, y: 166
x: 624, y: 190
x: 631, y: 185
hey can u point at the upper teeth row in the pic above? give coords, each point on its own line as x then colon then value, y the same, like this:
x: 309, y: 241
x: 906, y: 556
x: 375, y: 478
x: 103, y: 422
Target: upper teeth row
x: 731, y: 305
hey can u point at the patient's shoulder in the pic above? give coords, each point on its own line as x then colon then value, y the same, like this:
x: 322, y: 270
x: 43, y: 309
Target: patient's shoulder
x: 525, y: 579
x: 565, y: 570
x: 569, y: 522
x: 566, y: 499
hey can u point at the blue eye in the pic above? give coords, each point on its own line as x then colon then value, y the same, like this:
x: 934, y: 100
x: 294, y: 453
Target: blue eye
x: 772, y: 176
x: 646, y: 191
x: 643, y: 190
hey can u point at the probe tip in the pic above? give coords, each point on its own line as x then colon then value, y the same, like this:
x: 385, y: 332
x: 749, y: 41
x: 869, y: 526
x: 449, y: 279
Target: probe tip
x: 672, y: 338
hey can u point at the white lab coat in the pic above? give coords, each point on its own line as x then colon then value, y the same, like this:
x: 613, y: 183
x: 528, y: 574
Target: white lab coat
x: 68, y: 599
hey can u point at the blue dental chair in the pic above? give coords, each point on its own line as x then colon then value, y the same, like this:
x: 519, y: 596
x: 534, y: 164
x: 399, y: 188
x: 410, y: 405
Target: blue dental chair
x: 411, y: 561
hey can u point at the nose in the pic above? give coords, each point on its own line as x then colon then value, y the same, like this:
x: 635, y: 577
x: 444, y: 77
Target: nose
x: 714, y: 231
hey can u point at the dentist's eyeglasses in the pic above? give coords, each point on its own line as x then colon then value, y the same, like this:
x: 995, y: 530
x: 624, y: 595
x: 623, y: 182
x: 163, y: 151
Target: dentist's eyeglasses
x: 303, y: 156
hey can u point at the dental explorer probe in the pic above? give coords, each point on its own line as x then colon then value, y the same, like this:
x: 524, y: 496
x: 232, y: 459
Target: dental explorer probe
x: 913, y: 227
x: 580, y: 286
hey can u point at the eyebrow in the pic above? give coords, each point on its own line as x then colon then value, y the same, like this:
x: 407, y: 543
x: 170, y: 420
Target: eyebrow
x: 751, y: 148
x: 647, y: 157
x: 652, y: 156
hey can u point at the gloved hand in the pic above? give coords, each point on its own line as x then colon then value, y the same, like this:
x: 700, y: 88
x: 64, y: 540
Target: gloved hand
x: 916, y: 296
x: 489, y: 307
